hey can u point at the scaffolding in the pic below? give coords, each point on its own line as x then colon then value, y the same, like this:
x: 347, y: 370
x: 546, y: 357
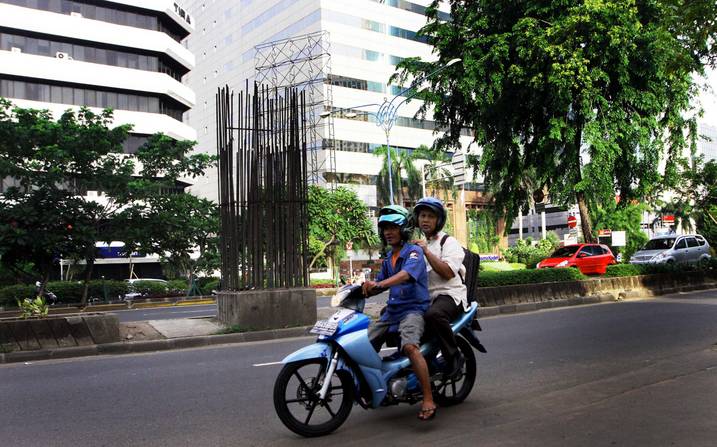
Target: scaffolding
x: 304, y: 62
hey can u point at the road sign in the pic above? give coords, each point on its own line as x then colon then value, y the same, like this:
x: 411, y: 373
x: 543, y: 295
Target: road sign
x: 668, y: 219
x: 459, y: 168
x: 619, y: 239
x: 349, y: 245
x: 572, y: 221
x: 604, y: 233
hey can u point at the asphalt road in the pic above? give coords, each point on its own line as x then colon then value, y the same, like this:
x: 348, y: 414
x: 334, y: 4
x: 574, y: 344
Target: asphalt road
x: 200, y: 310
x: 635, y: 373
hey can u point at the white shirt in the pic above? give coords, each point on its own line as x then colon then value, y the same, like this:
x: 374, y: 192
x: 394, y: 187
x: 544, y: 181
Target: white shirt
x: 452, y: 254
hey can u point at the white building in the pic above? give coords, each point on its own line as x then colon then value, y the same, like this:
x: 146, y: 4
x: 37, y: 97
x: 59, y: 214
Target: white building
x: 366, y: 38
x: 127, y: 55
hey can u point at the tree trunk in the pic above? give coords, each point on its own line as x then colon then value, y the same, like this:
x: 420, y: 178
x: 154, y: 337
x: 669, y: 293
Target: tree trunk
x: 311, y: 264
x: 88, y: 275
x: 585, y: 222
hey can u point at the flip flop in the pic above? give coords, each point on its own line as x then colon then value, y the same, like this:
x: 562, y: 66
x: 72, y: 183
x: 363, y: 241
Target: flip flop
x: 426, y: 414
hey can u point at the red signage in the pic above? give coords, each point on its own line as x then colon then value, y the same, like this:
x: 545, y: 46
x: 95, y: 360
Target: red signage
x: 604, y: 233
x: 669, y: 219
x: 572, y: 222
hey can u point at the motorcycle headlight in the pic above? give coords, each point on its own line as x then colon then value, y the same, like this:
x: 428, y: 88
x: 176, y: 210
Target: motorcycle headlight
x: 563, y: 264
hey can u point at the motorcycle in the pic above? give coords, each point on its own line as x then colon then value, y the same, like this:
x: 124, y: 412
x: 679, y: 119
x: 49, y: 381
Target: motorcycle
x: 320, y: 383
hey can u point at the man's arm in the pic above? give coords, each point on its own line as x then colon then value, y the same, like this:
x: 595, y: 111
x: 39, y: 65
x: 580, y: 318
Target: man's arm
x: 438, y: 265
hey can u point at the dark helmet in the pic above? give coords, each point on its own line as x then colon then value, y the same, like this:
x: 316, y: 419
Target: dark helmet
x: 434, y: 205
x: 397, y: 215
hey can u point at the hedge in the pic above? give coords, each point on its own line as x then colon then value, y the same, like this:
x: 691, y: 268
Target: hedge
x: 11, y: 294
x: 493, y: 279
x: 66, y: 291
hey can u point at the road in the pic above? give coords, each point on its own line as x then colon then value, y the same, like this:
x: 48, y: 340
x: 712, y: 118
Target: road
x: 200, y: 310
x: 635, y: 373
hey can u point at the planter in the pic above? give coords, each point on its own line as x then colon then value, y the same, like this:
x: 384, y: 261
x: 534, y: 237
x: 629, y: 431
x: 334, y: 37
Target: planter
x: 17, y: 334
x: 267, y: 309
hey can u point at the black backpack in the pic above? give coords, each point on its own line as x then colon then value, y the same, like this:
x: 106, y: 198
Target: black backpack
x: 471, y: 261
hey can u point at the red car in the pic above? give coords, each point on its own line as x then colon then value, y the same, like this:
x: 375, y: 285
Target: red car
x: 588, y: 258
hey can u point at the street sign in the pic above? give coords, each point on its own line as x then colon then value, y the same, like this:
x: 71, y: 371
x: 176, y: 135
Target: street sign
x: 459, y: 168
x: 572, y: 221
x: 349, y: 245
x: 668, y: 219
x: 619, y: 239
x: 604, y: 233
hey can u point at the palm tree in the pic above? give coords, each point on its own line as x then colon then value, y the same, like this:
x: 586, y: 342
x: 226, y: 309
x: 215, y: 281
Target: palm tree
x: 402, y: 162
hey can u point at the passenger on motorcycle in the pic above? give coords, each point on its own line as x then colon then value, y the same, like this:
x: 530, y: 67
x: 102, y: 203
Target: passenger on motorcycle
x: 404, y: 273
x: 445, y: 286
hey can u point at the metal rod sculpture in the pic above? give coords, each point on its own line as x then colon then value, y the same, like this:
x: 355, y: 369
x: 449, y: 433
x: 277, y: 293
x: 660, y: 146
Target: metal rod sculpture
x: 262, y: 188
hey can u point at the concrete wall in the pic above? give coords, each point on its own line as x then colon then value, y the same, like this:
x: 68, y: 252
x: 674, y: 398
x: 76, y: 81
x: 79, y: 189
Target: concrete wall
x: 58, y: 332
x: 645, y: 285
x: 267, y: 309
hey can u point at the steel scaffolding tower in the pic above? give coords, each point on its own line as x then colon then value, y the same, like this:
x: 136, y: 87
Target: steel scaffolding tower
x: 304, y: 62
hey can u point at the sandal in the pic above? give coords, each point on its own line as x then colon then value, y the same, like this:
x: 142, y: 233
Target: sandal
x: 426, y: 414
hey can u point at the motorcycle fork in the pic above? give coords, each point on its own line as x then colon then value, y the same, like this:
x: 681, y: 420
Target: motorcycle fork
x: 329, y: 373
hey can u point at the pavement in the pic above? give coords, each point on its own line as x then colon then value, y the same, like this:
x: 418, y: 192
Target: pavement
x: 181, y: 333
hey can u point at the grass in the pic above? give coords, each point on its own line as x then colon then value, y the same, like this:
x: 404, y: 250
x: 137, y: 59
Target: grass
x: 502, y: 266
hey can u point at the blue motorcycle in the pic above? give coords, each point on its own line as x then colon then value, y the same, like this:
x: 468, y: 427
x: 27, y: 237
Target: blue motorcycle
x: 320, y: 383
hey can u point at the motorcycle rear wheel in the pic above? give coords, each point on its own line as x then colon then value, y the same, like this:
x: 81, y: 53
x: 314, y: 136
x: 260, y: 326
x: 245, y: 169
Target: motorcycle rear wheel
x: 454, y: 391
x: 297, y: 403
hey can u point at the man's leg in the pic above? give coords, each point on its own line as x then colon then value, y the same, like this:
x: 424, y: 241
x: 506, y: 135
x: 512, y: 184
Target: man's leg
x: 411, y: 329
x: 438, y: 321
x: 377, y: 333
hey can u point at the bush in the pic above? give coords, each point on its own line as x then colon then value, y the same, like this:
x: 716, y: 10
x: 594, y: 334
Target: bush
x: 204, y: 283
x: 10, y: 295
x: 67, y: 291
x: 492, y: 279
x: 322, y: 283
x: 178, y: 287
x: 150, y: 289
x: 525, y: 252
x: 209, y: 286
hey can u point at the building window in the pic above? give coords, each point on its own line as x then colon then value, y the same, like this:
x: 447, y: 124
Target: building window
x: 63, y: 94
x: 54, y: 48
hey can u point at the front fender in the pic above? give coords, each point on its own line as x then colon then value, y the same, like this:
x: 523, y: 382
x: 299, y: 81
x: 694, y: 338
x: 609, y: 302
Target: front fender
x: 315, y: 351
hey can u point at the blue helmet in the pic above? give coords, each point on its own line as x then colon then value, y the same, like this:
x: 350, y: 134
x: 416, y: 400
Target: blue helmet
x: 435, y: 206
x: 397, y: 215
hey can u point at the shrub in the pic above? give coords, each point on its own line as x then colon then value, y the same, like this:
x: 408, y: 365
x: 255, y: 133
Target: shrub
x: 525, y: 252
x: 150, y: 288
x: 33, y: 307
x: 492, y: 279
x: 10, y: 295
x: 210, y: 285
x: 67, y: 291
x: 115, y: 289
x: 178, y: 287
x: 204, y: 281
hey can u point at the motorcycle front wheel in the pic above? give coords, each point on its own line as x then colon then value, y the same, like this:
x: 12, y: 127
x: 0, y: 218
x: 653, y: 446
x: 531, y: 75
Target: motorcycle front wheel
x: 297, y: 403
x: 456, y: 390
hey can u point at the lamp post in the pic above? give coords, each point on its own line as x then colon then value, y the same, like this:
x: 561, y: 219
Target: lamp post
x: 387, y: 113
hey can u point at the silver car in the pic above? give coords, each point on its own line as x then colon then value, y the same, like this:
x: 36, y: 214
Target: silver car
x: 672, y: 248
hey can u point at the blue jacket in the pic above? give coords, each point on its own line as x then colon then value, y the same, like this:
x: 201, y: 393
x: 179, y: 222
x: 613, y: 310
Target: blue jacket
x: 412, y: 295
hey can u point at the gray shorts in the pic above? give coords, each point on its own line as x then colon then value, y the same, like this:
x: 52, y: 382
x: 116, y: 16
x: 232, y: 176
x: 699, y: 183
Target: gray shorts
x: 410, y: 328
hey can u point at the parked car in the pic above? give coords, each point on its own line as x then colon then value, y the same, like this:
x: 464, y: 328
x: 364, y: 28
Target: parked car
x: 133, y: 293
x: 588, y: 258
x: 673, y: 248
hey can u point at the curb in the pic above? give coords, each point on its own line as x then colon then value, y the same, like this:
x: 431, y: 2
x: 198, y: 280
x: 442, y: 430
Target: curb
x: 303, y: 331
x: 152, y: 345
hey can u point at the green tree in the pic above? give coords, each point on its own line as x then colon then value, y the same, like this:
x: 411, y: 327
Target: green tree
x: 586, y: 96
x: 336, y: 217
x: 610, y: 216
x: 46, y: 214
x: 482, y: 235
x: 439, y: 176
x: 695, y: 198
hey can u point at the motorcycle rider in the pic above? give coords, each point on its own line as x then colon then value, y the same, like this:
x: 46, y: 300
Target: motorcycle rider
x: 404, y: 273
x: 445, y: 285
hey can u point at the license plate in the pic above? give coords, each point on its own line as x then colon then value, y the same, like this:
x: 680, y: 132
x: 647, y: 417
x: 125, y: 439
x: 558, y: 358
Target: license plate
x: 325, y: 327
